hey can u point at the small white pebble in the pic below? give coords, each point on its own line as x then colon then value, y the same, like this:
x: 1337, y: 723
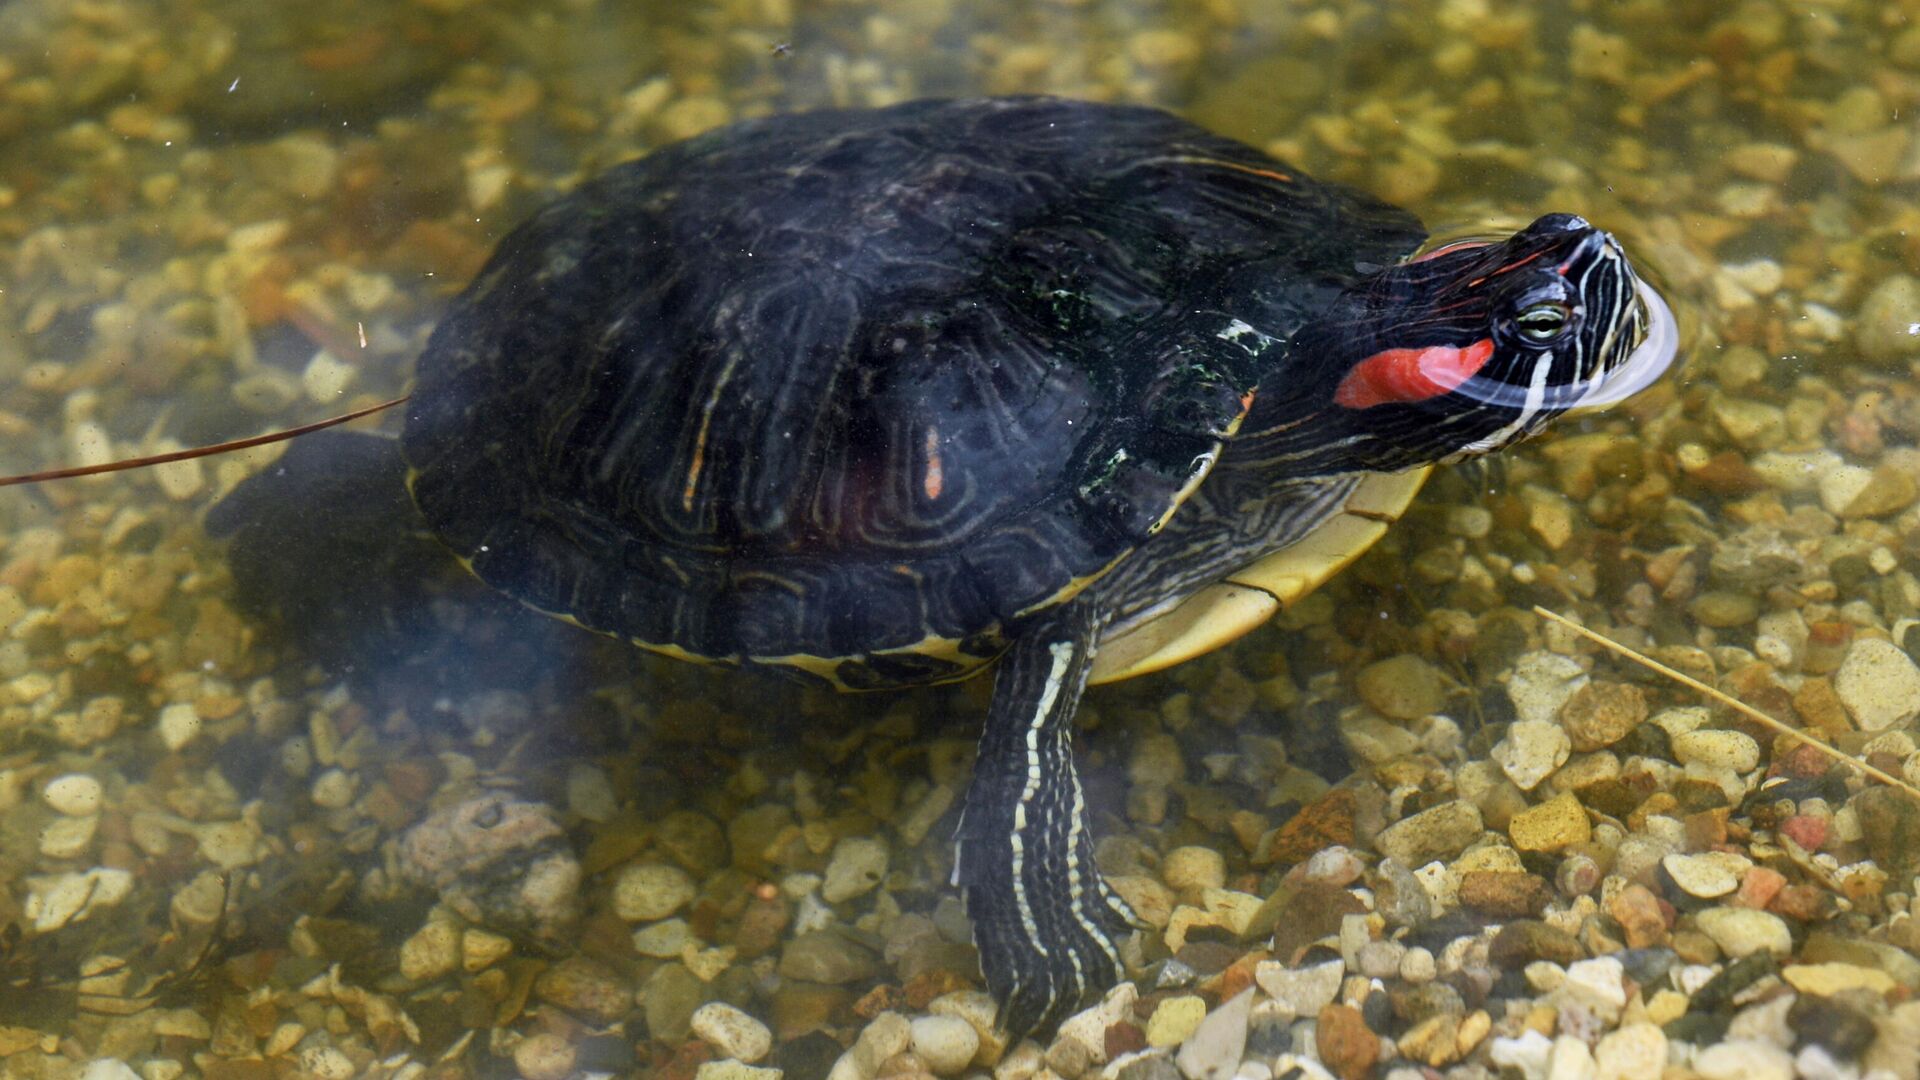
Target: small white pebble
x: 179, y: 725
x: 74, y: 794
x: 946, y: 1043
x: 544, y: 1057
x: 180, y: 480
x: 732, y: 1032
x: 326, y: 378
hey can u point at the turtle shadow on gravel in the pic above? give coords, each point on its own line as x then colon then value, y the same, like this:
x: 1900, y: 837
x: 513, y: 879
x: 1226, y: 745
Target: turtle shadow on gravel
x: 329, y: 556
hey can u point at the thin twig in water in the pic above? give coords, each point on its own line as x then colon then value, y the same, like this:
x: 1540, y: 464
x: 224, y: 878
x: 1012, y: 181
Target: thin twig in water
x: 1733, y: 703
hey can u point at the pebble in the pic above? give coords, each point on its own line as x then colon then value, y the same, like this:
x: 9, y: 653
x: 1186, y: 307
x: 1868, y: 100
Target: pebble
x: 1379, y: 959
x: 1346, y: 1045
x: 1723, y: 608
x: 1438, y: 832
x: 651, y: 891
x: 1302, y: 991
x: 977, y: 1008
x: 1541, y: 684
x: 1214, y: 1049
x: 179, y: 724
x: 1194, y: 868
x: 729, y: 1069
x: 480, y: 949
x: 665, y: 939
x: 1174, y: 1019
x: 590, y: 793
x: 824, y: 956
x: 1599, y: 984
x: 1635, y: 1051
x: 1743, y: 1059
x: 586, y: 988
x: 544, y: 1056
x: 1337, y: 866
x: 333, y: 789
x: 1086, y: 1031
x: 669, y: 998
x: 1600, y: 714
x: 1854, y: 491
x: 732, y: 1032
x: 1707, y: 874
x: 1743, y: 931
x: 495, y: 860
x: 1878, y: 684
x: 1528, y: 1053
x: 1717, y: 748
x: 1532, y: 750
x: 1638, y: 912
x: 1418, y: 966
x: 1834, y: 977
x: 946, y: 1043
x: 857, y: 866
x: 1558, y: 823
x: 432, y: 951
x: 68, y: 837
x: 1885, y: 328
x: 1402, y: 687
x: 74, y: 794
x: 57, y: 900
x: 1570, y: 1059
x: 884, y: 1036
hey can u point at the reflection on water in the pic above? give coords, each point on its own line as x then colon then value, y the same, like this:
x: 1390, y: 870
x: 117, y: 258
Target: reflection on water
x: 475, y: 842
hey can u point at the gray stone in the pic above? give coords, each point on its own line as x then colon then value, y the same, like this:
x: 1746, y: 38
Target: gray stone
x: 826, y: 956
x: 1213, y: 1050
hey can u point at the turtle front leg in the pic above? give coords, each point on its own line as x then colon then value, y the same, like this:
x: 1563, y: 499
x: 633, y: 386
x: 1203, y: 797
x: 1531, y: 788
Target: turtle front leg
x: 1043, y: 919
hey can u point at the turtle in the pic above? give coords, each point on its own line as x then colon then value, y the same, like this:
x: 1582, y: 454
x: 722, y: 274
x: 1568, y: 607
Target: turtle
x: 1068, y: 391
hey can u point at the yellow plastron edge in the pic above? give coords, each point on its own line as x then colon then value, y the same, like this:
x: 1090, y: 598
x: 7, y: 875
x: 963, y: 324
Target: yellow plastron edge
x: 1255, y: 593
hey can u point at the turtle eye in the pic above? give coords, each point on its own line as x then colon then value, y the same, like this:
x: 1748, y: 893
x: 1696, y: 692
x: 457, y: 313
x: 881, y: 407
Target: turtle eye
x: 1542, y: 323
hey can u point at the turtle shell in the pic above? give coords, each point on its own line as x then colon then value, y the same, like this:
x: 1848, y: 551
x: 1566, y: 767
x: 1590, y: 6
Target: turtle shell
x: 855, y: 392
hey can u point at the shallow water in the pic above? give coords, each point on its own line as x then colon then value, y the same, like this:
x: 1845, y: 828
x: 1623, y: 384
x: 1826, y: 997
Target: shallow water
x: 221, y: 218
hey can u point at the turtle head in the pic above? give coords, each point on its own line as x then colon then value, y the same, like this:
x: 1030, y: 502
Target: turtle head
x: 1462, y: 351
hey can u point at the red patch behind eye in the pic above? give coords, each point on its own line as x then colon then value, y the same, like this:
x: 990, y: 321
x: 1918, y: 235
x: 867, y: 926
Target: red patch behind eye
x: 1408, y: 375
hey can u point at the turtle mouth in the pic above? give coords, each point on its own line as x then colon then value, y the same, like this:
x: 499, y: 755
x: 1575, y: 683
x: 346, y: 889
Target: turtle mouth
x: 1659, y: 346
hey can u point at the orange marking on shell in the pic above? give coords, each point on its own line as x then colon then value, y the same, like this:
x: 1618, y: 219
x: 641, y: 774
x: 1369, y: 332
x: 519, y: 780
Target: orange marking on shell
x: 1408, y: 375
x: 699, y: 459
x: 1269, y: 174
x: 935, y: 478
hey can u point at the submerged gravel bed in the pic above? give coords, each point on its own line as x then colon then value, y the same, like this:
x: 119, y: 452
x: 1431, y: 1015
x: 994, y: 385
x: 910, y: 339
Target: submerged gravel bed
x: 1411, y: 830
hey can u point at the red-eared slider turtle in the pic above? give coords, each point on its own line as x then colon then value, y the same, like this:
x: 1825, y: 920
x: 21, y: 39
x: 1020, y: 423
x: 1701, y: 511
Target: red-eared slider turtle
x: 883, y: 398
